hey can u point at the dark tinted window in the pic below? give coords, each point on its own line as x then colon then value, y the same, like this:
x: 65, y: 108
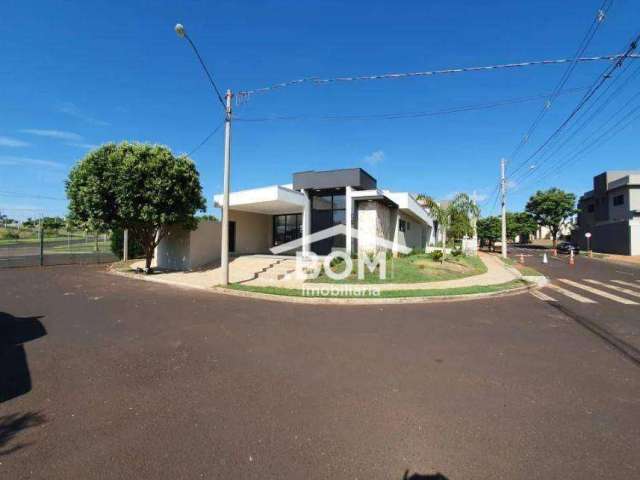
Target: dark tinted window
x: 618, y: 200
x: 322, y: 203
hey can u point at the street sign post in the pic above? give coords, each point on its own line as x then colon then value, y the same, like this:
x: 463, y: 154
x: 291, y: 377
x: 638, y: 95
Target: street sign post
x: 588, y: 237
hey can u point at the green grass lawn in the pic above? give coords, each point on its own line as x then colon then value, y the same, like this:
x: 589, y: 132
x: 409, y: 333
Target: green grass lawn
x: 433, y: 292
x: 414, y: 268
x: 32, y: 240
x: 103, y: 247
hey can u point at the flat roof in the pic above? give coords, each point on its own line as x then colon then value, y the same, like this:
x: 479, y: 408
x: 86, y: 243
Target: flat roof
x: 326, y: 179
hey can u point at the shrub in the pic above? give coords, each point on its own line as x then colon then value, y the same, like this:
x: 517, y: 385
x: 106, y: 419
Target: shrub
x: 457, y: 253
x: 8, y: 235
x: 436, y: 255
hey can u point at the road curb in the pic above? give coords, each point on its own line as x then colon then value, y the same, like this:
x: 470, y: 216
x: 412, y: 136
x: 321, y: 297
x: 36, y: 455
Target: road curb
x: 332, y: 300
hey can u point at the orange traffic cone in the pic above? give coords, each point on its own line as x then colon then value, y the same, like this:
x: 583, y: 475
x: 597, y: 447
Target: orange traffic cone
x: 554, y: 252
x: 571, y: 259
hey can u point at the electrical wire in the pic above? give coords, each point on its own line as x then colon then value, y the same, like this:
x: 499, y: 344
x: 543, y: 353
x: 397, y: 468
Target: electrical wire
x: 585, y: 120
x: 205, y: 140
x: 599, y: 81
x: 586, y: 40
x: 615, y: 129
x: 403, y: 115
x: 390, y: 76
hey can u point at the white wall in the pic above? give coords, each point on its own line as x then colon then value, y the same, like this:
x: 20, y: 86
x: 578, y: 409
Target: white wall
x: 186, y: 250
x: 254, y: 232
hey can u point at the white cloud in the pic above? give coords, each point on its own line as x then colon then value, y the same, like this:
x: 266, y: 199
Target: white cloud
x: 57, y: 134
x: 88, y: 146
x: 12, y: 142
x: 10, y: 160
x: 72, y: 110
x: 375, y: 157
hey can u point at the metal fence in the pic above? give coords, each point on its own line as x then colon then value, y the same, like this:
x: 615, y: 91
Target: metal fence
x: 32, y: 243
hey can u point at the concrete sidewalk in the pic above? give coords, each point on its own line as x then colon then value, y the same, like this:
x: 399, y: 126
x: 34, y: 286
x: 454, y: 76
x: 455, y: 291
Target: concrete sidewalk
x: 240, y: 272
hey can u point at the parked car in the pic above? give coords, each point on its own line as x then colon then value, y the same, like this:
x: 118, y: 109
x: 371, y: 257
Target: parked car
x: 567, y: 247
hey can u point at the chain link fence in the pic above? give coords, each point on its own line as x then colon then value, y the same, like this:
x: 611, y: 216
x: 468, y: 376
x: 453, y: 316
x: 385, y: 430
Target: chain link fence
x: 33, y: 239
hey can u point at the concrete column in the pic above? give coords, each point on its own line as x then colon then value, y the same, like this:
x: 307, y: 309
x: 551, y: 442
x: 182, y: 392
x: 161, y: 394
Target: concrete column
x: 349, y: 218
x: 306, y: 223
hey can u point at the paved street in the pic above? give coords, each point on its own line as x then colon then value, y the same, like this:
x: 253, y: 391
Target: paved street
x: 603, y: 296
x: 109, y: 377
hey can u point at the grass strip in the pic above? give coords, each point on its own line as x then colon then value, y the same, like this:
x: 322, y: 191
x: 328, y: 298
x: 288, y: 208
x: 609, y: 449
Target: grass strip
x: 433, y: 292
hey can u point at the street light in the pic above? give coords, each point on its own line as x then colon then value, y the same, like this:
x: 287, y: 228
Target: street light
x: 226, y: 104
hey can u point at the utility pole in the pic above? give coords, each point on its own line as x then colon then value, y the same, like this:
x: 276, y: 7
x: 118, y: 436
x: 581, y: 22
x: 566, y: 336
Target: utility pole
x: 503, y: 188
x: 125, y: 245
x: 224, y: 255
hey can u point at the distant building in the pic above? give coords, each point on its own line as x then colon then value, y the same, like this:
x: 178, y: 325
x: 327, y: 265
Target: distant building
x: 611, y: 213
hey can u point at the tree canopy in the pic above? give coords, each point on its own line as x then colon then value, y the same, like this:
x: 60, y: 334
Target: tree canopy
x: 141, y: 187
x: 552, y: 208
x: 445, y: 213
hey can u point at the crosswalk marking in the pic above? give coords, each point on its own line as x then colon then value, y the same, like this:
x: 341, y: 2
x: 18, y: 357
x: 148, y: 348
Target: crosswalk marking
x: 575, y: 296
x: 601, y: 293
x: 628, y: 284
x: 542, y: 296
x: 633, y: 293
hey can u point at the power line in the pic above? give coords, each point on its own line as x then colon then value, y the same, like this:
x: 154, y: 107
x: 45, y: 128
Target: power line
x: 205, y: 140
x: 242, y: 95
x: 403, y: 115
x: 27, y: 195
x: 586, y: 40
x: 592, y: 90
x: 577, y: 128
x: 601, y: 139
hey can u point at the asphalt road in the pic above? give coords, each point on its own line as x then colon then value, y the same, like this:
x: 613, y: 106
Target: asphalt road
x: 603, y: 296
x: 108, y: 377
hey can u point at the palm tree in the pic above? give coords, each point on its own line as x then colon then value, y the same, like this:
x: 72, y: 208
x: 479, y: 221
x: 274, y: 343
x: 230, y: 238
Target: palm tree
x: 443, y: 212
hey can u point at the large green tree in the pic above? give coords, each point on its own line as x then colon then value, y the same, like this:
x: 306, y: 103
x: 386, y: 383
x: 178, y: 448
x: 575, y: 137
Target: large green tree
x: 142, y: 187
x: 444, y: 212
x: 489, y: 230
x: 552, y: 208
x: 520, y: 224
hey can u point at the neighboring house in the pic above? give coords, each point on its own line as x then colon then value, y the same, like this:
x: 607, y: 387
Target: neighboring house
x: 611, y: 213
x: 262, y: 218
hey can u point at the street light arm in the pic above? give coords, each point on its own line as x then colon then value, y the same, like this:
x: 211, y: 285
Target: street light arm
x: 183, y: 34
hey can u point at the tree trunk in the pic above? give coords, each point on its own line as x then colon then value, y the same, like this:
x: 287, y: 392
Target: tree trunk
x: 444, y: 243
x: 148, y: 259
x: 554, y: 238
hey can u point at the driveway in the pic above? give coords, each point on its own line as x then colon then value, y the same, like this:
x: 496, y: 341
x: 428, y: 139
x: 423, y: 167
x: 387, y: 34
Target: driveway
x: 109, y: 377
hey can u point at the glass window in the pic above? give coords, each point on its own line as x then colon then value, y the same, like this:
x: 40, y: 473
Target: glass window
x: 339, y: 202
x: 339, y: 217
x: 590, y: 208
x: 618, y: 200
x: 286, y: 228
x: 402, y: 226
x: 322, y: 203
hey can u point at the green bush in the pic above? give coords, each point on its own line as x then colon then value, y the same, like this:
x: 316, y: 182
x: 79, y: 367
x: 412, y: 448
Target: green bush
x: 436, y: 255
x: 9, y: 235
x: 457, y: 253
x: 117, y: 244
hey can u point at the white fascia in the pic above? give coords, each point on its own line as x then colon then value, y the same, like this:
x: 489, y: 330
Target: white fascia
x: 274, y: 199
x: 407, y: 203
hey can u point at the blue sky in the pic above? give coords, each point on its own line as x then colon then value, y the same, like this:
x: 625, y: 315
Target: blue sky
x: 77, y: 74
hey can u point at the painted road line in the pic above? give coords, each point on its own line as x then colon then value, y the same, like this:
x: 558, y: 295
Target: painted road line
x: 568, y: 293
x: 628, y: 284
x: 633, y: 293
x: 595, y: 291
x: 543, y: 296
